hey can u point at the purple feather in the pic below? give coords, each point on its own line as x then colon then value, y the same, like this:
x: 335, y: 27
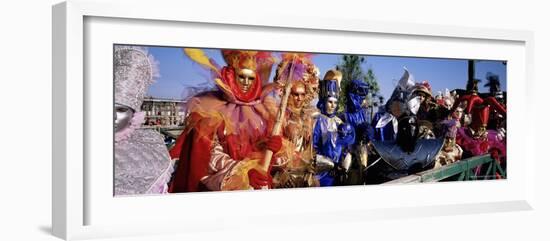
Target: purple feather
x: 299, y: 70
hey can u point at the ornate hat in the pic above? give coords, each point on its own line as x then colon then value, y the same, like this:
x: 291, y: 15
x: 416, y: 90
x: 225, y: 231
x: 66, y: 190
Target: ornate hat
x: 330, y: 85
x: 301, y: 67
x: 134, y: 71
x: 423, y: 87
x: 240, y: 59
x: 303, y: 72
x: 480, y: 119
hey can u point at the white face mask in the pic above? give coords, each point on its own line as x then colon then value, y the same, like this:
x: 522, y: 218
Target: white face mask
x: 414, y: 104
x: 123, y: 116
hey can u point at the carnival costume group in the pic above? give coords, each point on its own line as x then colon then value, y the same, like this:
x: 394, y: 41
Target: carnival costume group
x: 251, y: 132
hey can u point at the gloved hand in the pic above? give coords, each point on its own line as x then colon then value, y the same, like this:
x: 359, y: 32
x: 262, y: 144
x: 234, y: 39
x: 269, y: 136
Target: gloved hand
x: 323, y: 164
x: 257, y: 179
x: 274, y: 143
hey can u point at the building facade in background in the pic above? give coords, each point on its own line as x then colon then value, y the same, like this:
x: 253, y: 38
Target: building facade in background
x: 163, y: 112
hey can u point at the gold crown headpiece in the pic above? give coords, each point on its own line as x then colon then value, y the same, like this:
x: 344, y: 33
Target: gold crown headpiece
x: 240, y: 59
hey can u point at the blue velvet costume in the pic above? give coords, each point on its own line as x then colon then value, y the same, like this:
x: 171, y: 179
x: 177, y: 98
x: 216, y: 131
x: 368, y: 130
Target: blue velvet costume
x: 356, y: 115
x: 331, y: 137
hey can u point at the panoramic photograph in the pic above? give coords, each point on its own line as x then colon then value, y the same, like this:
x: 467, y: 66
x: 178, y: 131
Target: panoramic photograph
x: 192, y: 119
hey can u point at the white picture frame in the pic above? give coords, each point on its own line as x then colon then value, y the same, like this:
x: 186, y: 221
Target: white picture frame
x: 81, y: 207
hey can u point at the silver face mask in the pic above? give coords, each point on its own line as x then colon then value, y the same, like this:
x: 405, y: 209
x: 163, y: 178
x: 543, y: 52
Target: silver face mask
x: 123, y: 116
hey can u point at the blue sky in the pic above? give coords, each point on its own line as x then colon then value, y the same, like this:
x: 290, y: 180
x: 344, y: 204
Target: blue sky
x: 177, y: 72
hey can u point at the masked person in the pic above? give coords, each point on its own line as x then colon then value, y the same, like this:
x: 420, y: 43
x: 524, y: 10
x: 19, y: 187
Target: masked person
x: 142, y: 163
x: 331, y: 136
x: 428, y: 111
x: 357, y: 116
x: 451, y: 151
x: 227, y: 130
x: 296, y: 168
x: 448, y: 128
x: 408, y: 153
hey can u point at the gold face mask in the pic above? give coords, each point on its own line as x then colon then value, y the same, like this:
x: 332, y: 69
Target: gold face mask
x: 298, y: 96
x: 245, y: 79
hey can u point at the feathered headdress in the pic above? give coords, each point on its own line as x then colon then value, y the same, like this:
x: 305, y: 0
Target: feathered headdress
x: 301, y: 62
x: 259, y: 61
x: 304, y: 71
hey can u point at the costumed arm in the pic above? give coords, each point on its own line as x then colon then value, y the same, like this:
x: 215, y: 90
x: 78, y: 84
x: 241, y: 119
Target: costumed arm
x: 365, y: 131
x: 219, y: 166
x: 194, y: 162
x: 323, y: 162
x: 344, y: 144
x: 317, y: 137
x: 348, y: 139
